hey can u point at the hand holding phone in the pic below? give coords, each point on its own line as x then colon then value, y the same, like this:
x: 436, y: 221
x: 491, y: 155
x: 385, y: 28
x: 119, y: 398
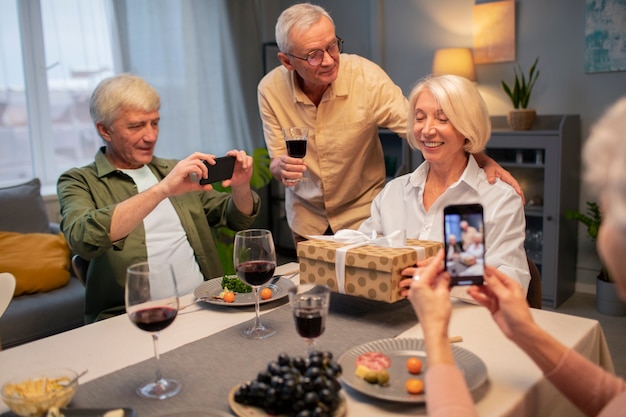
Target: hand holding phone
x: 464, y: 238
x: 222, y: 170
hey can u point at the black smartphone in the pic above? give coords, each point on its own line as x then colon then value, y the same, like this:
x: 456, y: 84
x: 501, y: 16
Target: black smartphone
x: 464, y: 237
x: 222, y: 170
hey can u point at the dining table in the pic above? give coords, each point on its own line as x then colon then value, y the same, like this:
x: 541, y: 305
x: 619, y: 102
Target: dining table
x: 204, y: 349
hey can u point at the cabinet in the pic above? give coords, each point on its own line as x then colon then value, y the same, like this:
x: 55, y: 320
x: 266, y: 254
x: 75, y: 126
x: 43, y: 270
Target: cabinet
x: 546, y: 163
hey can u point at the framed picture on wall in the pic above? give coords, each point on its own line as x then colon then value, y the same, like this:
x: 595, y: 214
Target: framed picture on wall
x: 494, y: 32
x: 605, y: 35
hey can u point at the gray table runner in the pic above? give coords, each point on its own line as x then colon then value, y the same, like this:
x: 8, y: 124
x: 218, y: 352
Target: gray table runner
x: 209, y: 368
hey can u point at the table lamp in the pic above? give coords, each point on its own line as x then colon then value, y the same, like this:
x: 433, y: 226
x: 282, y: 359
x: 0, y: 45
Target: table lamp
x: 456, y: 61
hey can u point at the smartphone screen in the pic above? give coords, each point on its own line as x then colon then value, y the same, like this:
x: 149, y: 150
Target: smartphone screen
x: 222, y: 170
x: 464, y: 237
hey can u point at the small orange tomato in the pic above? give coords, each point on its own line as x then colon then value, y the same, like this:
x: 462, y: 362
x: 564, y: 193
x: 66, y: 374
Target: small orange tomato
x: 229, y: 297
x: 414, y: 365
x: 266, y: 293
x: 414, y: 386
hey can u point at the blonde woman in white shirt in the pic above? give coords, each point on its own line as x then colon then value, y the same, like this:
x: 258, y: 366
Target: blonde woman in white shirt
x: 449, y: 122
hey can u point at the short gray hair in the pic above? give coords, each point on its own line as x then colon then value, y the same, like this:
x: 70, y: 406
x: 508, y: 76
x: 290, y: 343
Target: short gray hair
x: 463, y: 105
x: 119, y: 92
x: 604, y: 157
x: 302, y: 16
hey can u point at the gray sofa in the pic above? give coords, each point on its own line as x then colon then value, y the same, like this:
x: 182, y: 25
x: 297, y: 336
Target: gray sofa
x: 33, y: 316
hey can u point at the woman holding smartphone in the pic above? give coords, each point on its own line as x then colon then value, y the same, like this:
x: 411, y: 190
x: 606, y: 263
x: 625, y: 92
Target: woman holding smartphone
x: 593, y: 390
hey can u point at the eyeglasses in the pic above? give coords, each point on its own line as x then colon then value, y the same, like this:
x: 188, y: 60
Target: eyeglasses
x: 315, y: 58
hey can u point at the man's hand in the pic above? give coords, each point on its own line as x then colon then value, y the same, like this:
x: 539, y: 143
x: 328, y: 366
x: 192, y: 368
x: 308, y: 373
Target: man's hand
x: 185, y: 175
x: 288, y: 170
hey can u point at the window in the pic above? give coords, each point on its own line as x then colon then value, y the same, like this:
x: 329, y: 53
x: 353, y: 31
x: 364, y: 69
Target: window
x: 52, y: 54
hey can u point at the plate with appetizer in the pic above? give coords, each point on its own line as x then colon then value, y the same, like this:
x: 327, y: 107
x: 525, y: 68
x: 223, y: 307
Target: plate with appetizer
x: 229, y: 290
x: 394, y: 369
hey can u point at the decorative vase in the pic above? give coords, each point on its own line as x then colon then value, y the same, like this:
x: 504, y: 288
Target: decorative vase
x: 607, y: 299
x: 521, y: 119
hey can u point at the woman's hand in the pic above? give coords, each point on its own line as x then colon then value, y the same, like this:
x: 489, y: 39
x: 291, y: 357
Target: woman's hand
x: 430, y: 295
x: 408, y: 273
x: 505, y: 300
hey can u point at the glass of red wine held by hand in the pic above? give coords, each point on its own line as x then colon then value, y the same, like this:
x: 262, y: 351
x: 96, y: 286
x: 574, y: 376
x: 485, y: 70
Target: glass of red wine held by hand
x: 151, y: 298
x: 255, y: 261
x: 309, y: 305
x: 295, y: 140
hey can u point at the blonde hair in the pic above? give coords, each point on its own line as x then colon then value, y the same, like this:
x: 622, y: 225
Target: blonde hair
x: 463, y: 105
x: 122, y: 91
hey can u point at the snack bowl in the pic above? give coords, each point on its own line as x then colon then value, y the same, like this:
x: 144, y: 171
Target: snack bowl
x: 32, y: 395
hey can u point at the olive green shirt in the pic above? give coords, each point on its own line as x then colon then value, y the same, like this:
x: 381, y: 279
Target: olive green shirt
x: 88, y: 196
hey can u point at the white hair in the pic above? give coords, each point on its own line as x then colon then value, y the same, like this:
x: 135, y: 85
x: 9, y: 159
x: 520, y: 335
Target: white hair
x: 604, y: 157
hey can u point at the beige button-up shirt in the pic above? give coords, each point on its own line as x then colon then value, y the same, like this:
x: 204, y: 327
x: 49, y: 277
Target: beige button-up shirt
x: 345, y: 163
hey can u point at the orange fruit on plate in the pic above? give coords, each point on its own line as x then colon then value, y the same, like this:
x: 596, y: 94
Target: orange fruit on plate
x: 266, y: 293
x: 414, y: 386
x: 229, y: 297
x: 414, y: 365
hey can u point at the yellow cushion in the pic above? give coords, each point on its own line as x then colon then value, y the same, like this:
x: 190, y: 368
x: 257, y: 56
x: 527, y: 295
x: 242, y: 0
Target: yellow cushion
x: 39, y: 261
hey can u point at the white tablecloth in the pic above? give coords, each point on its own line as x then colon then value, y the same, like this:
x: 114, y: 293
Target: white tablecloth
x: 516, y: 387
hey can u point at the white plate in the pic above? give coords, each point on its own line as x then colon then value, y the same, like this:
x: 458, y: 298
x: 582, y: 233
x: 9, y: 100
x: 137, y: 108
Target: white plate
x: 399, y: 350
x: 209, y: 289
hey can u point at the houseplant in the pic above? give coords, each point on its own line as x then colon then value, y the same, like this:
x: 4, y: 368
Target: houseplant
x: 521, y: 117
x: 607, y: 300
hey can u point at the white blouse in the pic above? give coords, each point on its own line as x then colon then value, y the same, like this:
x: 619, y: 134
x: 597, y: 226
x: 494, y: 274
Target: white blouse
x: 400, y: 206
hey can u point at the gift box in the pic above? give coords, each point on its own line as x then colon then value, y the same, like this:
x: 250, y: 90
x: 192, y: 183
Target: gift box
x: 371, y: 271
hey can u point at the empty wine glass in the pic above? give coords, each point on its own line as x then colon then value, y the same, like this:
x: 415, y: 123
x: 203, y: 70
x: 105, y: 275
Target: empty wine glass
x: 296, y: 140
x: 309, y: 305
x: 255, y: 261
x: 151, y: 298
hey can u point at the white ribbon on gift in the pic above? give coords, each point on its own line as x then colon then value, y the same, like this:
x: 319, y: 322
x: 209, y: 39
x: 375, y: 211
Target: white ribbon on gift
x: 356, y: 239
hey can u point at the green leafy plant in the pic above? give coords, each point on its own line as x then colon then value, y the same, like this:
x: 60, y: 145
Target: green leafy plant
x: 224, y: 236
x: 520, y: 93
x: 592, y: 219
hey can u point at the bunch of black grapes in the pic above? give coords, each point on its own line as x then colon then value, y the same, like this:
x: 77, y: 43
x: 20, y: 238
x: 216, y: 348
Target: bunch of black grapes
x: 295, y: 386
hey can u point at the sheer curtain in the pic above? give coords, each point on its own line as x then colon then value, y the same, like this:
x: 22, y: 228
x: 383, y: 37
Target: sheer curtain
x: 204, y: 59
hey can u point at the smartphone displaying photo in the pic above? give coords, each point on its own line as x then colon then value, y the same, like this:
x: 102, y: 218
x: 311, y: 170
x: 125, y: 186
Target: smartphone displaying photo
x: 464, y: 237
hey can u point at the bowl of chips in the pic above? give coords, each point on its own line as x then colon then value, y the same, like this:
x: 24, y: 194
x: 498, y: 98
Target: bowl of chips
x: 34, y: 394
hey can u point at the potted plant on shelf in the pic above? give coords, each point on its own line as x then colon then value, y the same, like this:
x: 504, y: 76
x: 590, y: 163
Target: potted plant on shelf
x: 521, y: 117
x: 607, y: 300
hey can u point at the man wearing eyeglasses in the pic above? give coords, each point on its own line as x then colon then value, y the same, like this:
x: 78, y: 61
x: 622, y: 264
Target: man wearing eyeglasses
x: 343, y: 99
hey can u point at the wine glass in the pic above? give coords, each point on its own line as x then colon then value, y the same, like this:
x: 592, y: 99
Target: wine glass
x: 309, y: 305
x: 255, y: 261
x: 295, y: 139
x: 151, y: 298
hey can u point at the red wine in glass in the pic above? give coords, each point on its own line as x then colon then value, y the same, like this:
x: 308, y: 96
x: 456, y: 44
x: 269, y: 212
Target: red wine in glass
x: 153, y: 319
x: 296, y: 148
x: 151, y: 299
x: 256, y: 273
x: 310, y: 324
x: 295, y: 140
x: 309, y: 305
x: 254, y: 258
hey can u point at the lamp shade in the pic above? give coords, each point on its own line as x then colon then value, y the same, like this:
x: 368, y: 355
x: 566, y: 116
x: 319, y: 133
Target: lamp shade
x: 456, y: 61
